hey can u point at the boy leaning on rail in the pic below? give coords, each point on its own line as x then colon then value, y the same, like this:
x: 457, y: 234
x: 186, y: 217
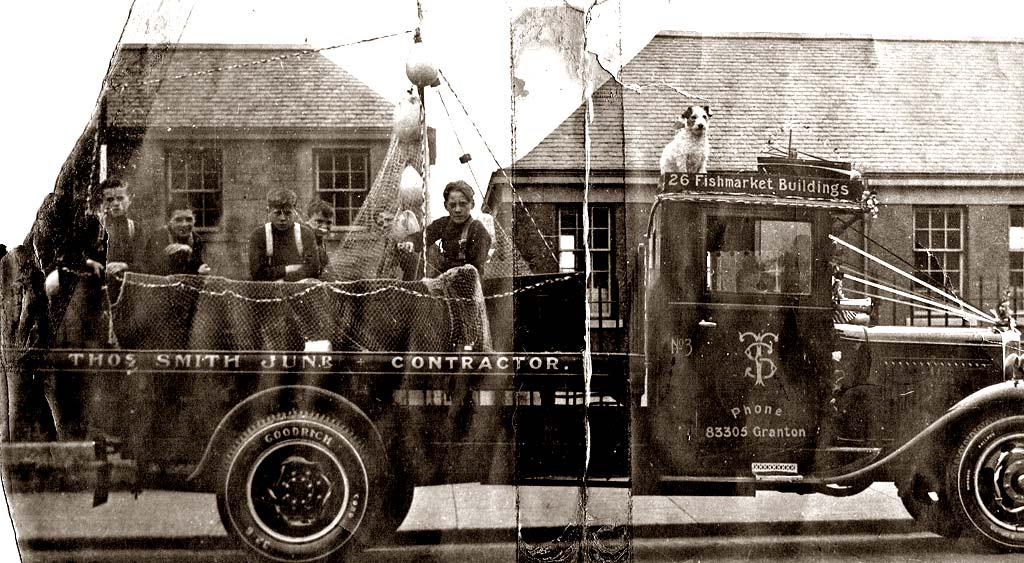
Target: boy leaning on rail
x: 283, y: 249
x: 176, y: 248
x: 124, y: 238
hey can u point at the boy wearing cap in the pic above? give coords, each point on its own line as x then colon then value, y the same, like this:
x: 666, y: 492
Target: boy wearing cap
x: 283, y: 249
x: 176, y: 248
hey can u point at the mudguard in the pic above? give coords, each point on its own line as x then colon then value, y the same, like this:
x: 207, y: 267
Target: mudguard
x: 278, y: 399
x: 988, y: 399
x: 1008, y: 391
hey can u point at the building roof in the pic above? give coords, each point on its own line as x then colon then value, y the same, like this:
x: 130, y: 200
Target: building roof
x: 237, y: 86
x: 894, y: 106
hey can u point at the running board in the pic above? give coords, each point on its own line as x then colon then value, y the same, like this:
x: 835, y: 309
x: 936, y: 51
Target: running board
x: 65, y: 466
x: 568, y: 481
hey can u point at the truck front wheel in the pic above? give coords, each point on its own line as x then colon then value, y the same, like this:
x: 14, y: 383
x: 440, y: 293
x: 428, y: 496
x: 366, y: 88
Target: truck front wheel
x: 986, y: 482
x: 301, y: 486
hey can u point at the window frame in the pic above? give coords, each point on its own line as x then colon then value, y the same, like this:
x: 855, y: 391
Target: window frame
x: 820, y: 296
x: 807, y: 279
x: 613, y: 319
x: 363, y: 151
x: 929, y: 317
x: 190, y: 155
x: 1015, y: 257
x: 944, y: 251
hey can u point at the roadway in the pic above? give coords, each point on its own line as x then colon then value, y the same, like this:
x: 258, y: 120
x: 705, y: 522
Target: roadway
x: 477, y: 523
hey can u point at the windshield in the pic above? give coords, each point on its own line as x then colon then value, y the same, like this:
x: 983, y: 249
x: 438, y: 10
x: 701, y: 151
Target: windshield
x: 754, y: 255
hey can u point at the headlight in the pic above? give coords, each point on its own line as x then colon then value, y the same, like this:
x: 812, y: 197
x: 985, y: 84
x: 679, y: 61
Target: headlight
x: 1013, y: 366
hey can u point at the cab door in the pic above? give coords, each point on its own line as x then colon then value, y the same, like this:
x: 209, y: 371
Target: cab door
x: 741, y: 340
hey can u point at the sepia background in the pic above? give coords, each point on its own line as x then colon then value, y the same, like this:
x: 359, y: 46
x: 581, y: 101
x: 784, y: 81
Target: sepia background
x: 57, y: 53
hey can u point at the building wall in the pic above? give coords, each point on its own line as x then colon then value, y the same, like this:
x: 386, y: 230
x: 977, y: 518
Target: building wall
x: 986, y: 240
x: 986, y: 253
x: 250, y: 168
x: 533, y: 220
x: 988, y: 244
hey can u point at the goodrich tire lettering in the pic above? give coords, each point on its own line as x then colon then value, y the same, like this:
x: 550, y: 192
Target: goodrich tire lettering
x: 299, y: 486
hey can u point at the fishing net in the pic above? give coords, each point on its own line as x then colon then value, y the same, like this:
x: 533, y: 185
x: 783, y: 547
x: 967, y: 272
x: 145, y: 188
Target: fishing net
x: 369, y: 249
x: 213, y: 313
x: 505, y: 260
x: 391, y: 214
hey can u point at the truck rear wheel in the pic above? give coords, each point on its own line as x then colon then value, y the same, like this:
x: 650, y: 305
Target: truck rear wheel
x: 301, y: 486
x: 986, y: 482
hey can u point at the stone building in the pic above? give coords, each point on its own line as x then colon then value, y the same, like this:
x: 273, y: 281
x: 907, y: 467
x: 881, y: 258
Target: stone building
x: 222, y: 124
x: 937, y: 127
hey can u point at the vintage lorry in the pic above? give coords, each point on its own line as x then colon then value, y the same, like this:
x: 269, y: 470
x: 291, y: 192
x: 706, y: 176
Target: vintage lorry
x: 737, y: 379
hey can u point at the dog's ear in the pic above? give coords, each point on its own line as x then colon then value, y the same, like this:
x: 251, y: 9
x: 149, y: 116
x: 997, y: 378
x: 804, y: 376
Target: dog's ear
x: 679, y: 123
x: 707, y: 110
x: 687, y: 113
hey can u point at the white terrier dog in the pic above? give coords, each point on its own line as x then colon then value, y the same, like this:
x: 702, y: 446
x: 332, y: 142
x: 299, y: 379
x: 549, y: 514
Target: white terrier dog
x: 689, y: 150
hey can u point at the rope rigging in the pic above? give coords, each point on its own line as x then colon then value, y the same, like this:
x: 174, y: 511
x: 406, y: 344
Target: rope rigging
x: 500, y: 168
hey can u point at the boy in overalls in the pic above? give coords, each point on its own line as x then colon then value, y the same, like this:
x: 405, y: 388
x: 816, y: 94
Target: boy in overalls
x: 283, y: 249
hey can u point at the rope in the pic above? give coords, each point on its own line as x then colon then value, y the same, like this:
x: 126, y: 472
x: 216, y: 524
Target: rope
x: 945, y: 281
x: 501, y: 169
x: 879, y: 245
x: 892, y: 300
x: 256, y: 62
x: 947, y: 308
x: 462, y: 148
x: 963, y: 304
x: 332, y: 286
x: 887, y: 284
x: 852, y: 269
x: 476, y: 181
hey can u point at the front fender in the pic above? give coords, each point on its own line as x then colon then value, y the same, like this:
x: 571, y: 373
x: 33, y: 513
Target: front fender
x: 278, y: 399
x: 999, y: 396
x: 1011, y: 391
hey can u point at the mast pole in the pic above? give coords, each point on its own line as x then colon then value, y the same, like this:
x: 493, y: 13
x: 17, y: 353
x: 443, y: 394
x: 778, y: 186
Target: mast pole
x: 424, y: 142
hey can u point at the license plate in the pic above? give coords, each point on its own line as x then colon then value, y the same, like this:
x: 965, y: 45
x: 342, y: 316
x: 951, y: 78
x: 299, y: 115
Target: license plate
x: 764, y: 468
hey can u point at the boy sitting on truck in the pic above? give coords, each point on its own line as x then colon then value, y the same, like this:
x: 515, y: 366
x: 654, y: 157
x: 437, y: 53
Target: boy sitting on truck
x: 320, y: 217
x: 457, y: 239
x: 283, y: 249
x: 123, y: 238
x: 176, y: 248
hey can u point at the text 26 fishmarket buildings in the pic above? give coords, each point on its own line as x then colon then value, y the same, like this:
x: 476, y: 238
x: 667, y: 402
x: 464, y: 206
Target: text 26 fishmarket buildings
x: 937, y: 127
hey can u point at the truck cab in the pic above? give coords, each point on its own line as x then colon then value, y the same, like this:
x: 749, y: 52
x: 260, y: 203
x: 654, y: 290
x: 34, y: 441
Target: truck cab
x: 753, y: 378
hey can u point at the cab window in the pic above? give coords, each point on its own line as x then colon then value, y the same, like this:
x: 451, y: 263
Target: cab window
x: 755, y: 255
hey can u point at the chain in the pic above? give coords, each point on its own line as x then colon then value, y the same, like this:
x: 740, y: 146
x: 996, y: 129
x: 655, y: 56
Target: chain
x: 333, y: 287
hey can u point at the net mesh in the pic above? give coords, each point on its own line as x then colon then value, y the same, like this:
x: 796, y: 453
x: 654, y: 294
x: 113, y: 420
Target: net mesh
x: 505, y: 260
x: 213, y: 313
x: 369, y: 249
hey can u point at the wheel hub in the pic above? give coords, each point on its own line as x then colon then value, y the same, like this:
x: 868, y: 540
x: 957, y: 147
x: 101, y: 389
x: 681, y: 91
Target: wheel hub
x: 301, y: 491
x: 1000, y: 482
x: 1011, y: 479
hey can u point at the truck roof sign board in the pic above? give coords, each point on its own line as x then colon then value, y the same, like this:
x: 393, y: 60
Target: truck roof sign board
x: 759, y: 184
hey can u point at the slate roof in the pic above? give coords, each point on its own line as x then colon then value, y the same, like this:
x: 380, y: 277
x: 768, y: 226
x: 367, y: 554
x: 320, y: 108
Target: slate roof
x: 896, y: 106
x: 237, y: 86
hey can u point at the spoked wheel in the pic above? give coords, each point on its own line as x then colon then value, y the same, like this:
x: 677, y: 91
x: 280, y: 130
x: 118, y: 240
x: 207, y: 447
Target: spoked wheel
x: 302, y: 487
x: 987, y: 482
x: 929, y: 505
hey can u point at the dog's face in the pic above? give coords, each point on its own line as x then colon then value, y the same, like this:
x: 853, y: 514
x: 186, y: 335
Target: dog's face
x: 696, y: 119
